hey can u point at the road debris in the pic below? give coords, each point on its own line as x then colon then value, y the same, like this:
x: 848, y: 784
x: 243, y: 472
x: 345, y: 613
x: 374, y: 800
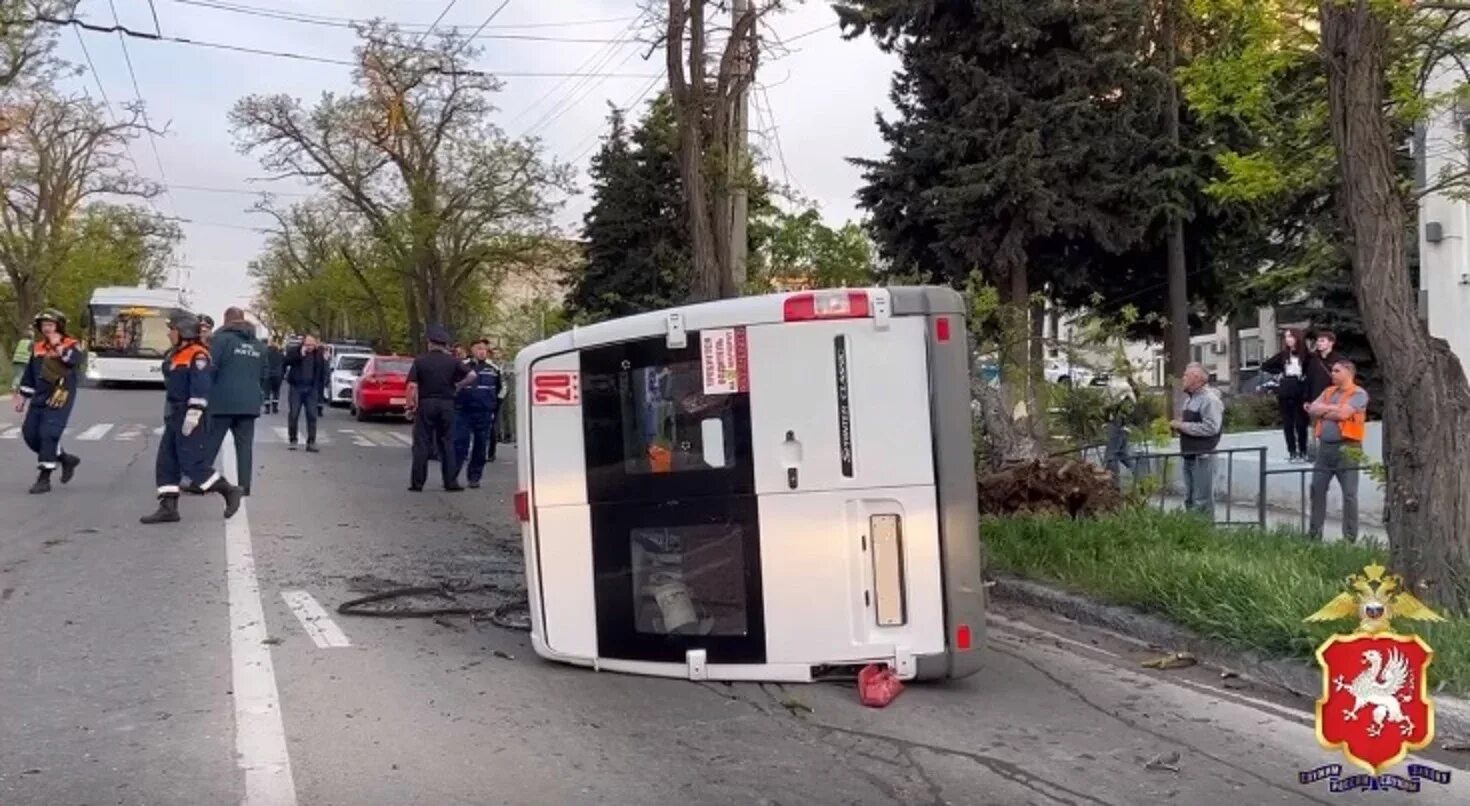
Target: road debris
x: 1174, y: 660
x: 1166, y: 762
x: 878, y: 686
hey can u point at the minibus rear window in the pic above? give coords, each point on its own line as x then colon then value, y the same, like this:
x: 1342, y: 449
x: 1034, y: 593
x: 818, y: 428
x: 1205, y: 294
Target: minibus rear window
x: 667, y: 419
x: 689, y: 580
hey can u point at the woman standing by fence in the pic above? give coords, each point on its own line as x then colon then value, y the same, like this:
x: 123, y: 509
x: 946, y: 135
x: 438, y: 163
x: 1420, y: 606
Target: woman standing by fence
x: 1291, y: 392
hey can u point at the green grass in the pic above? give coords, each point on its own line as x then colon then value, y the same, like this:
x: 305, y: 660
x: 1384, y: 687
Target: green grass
x: 1241, y: 587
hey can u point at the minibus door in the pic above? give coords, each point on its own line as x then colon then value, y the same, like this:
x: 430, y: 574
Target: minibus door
x: 670, y: 489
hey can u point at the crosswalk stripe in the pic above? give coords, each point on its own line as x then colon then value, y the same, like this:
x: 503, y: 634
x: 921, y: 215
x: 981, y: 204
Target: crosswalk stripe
x: 95, y: 433
x: 383, y: 438
x: 284, y: 435
x: 357, y: 439
x: 128, y: 432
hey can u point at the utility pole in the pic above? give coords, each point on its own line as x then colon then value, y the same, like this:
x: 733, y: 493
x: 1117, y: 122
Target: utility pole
x: 740, y: 147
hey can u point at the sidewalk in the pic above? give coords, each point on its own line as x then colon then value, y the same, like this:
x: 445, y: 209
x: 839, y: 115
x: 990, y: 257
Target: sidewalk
x: 1278, y: 518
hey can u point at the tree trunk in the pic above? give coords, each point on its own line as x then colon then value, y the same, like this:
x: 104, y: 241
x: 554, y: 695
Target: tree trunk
x: 1233, y: 358
x: 1037, y: 342
x: 1178, y: 331
x: 1428, y: 397
x: 25, y: 306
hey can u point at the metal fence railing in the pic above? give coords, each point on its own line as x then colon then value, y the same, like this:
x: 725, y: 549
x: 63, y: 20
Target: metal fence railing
x: 1304, y: 473
x: 1254, y: 504
x: 1157, y: 465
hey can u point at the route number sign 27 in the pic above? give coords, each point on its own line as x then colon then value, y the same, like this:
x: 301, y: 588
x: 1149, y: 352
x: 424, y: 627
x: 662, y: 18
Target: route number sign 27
x: 556, y: 389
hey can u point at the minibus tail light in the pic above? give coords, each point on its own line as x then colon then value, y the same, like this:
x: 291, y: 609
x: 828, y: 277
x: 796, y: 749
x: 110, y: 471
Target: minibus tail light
x: 962, y: 638
x: 523, y: 506
x: 816, y: 305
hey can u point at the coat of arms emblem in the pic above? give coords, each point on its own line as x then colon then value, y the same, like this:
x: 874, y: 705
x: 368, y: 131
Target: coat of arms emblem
x: 1375, y: 703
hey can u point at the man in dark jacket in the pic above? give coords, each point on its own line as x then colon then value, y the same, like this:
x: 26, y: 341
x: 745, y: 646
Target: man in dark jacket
x: 1319, y: 371
x: 306, y: 375
x: 275, y: 372
x: 235, y: 396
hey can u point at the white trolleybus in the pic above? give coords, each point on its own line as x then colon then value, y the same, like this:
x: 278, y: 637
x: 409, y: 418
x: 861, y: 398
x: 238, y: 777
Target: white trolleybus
x: 126, y: 330
x: 768, y: 488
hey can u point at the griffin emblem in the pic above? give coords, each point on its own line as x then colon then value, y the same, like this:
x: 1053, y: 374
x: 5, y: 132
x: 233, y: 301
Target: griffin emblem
x: 1375, y: 704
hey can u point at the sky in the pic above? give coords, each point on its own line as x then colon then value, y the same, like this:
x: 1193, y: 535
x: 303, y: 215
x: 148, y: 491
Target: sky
x: 814, y: 106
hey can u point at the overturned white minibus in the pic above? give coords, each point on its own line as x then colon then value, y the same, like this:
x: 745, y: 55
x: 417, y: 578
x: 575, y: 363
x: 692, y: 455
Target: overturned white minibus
x: 763, y: 488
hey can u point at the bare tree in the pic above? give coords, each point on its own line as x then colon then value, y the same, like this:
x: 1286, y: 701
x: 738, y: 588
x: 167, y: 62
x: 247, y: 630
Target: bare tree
x: 61, y: 151
x: 26, y: 36
x: 711, y: 162
x: 1428, y: 400
x: 412, y: 150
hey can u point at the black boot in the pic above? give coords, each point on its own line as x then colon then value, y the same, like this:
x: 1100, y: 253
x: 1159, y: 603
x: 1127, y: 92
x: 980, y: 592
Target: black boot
x: 68, y: 467
x: 167, y: 512
x: 43, y: 483
x: 230, y: 493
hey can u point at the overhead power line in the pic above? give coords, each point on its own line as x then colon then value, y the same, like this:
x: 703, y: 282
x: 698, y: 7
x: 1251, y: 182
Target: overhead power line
x: 350, y: 22
x: 152, y: 9
x: 142, y: 106
x: 436, y: 22
x: 471, y: 37
x: 178, y: 40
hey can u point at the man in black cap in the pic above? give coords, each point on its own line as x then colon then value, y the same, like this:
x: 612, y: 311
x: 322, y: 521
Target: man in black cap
x: 433, y: 380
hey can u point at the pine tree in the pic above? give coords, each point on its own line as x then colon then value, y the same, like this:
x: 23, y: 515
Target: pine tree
x: 637, y: 249
x: 1027, y: 141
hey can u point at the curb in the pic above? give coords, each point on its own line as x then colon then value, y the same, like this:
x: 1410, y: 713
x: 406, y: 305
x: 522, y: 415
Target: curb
x: 1304, y: 680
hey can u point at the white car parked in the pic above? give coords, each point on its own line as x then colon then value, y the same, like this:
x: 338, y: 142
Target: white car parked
x: 346, y: 369
x: 1059, y: 370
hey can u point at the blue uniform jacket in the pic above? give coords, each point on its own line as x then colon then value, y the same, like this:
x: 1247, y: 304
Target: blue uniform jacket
x: 187, y: 373
x: 46, y: 373
x: 485, y: 393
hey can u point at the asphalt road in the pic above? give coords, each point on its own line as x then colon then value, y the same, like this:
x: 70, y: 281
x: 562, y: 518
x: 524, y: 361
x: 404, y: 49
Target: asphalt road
x: 135, y: 669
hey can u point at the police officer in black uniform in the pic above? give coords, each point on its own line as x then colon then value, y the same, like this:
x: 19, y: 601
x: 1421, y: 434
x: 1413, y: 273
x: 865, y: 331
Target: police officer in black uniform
x: 433, y: 380
x: 187, y: 372
x: 49, y: 387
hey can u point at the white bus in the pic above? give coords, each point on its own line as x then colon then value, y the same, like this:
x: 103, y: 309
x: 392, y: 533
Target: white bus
x: 126, y: 331
x: 767, y: 488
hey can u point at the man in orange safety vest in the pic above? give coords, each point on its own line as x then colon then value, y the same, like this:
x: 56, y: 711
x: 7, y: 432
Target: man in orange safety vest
x: 1341, y: 417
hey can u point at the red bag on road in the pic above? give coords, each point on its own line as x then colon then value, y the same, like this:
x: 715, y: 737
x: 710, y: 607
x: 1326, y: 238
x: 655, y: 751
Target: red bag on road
x: 878, y: 686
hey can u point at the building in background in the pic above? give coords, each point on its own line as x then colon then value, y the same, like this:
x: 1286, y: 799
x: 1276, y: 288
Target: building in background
x: 529, y: 296
x: 1444, y: 214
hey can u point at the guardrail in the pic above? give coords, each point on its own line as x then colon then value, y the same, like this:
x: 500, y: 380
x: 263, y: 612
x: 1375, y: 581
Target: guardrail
x: 1146, y: 460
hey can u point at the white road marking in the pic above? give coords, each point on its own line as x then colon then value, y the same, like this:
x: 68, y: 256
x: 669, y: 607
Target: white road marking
x: 94, y: 433
x: 260, y: 733
x: 357, y: 439
x: 284, y: 435
x: 157, y: 430
x: 383, y: 438
x: 323, y: 631
x: 404, y: 438
x: 10, y: 433
x: 129, y: 432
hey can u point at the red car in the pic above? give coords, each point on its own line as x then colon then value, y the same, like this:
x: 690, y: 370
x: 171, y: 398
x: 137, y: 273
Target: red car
x: 383, y: 387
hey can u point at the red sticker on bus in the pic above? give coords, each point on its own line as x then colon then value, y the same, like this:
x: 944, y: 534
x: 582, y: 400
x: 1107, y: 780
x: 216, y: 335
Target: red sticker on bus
x: 556, y: 389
